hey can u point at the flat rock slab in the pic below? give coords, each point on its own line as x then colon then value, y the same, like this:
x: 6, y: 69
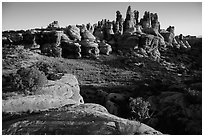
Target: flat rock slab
x: 54, y: 95
x: 83, y: 119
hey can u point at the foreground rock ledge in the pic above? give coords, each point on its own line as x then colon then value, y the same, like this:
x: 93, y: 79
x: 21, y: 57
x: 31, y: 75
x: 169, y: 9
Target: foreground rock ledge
x: 54, y: 95
x: 83, y: 119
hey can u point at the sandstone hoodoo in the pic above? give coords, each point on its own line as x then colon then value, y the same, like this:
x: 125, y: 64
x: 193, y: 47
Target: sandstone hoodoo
x: 122, y: 77
x: 121, y: 35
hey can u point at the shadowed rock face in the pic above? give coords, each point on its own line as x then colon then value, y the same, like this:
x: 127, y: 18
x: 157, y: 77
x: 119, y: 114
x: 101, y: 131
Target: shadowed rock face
x: 85, y: 119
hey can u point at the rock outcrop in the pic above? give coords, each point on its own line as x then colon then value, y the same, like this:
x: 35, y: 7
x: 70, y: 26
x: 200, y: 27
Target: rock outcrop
x: 71, y: 49
x: 119, y: 23
x: 84, y: 119
x: 50, y: 43
x: 98, y: 33
x: 73, y: 32
x: 55, y: 94
x: 89, y: 48
x: 110, y: 31
x: 169, y: 35
x: 53, y: 25
x: 29, y: 39
x: 129, y: 23
x: 105, y: 48
x: 14, y: 38
x: 184, y: 45
x: 86, y: 34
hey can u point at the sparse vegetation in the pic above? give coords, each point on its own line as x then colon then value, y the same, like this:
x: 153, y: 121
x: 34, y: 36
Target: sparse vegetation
x: 139, y: 108
x: 50, y: 67
x: 28, y: 80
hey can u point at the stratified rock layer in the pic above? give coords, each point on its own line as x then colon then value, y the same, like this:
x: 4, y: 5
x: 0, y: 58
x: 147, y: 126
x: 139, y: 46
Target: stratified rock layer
x: 84, y: 119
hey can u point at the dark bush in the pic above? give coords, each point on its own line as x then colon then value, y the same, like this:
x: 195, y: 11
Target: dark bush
x: 28, y: 80
x: 56, y: 52
x: 51, y: 69
x: 139, y: 109
x: 44, y: 67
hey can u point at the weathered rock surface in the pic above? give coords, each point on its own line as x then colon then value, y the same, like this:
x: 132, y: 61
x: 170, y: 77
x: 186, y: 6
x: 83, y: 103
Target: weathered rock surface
x: 55, y: 94
x: 73, y: 32
x: 89, y: 48
x: 105, y: 48
x: 98, y: 33
x: 168, y: 36
x: 71, y: 48
x: 129, y: 23
x: 53, y: 25
x: 88, y: 35
x: 64, y: 38
x: 84, y: 119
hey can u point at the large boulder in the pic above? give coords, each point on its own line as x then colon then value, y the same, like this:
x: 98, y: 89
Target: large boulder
x: 64, y: 38
x: 50, y: 37
x: 84, y: 119
x: 98, y: 33
x: 87, y: 43
x: 53, y: 25
x: 50, y: 49
x: 55, y: 94
x: 50, y: 43
x: 71, y: 48
x: 109, y: 31
x: 117, y: 103
x: 88, y: 35
x: 73, y: 32
x: 104, y: 48
x: 168, y: 36
x: 89, y: 48
x: 16, y: 38
x: 29, y: 39
x: 6, y: 41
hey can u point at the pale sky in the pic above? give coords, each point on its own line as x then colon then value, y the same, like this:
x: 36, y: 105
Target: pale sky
x: 185, y: 16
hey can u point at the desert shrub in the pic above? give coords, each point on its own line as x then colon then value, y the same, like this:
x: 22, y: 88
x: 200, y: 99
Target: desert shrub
x: 51, y: 50
x: 44, y: 67
x: 139, y: 108
x: 193, y: 96
x: 51, y: 69
x: 28, y: 80
x: 56, y: 52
